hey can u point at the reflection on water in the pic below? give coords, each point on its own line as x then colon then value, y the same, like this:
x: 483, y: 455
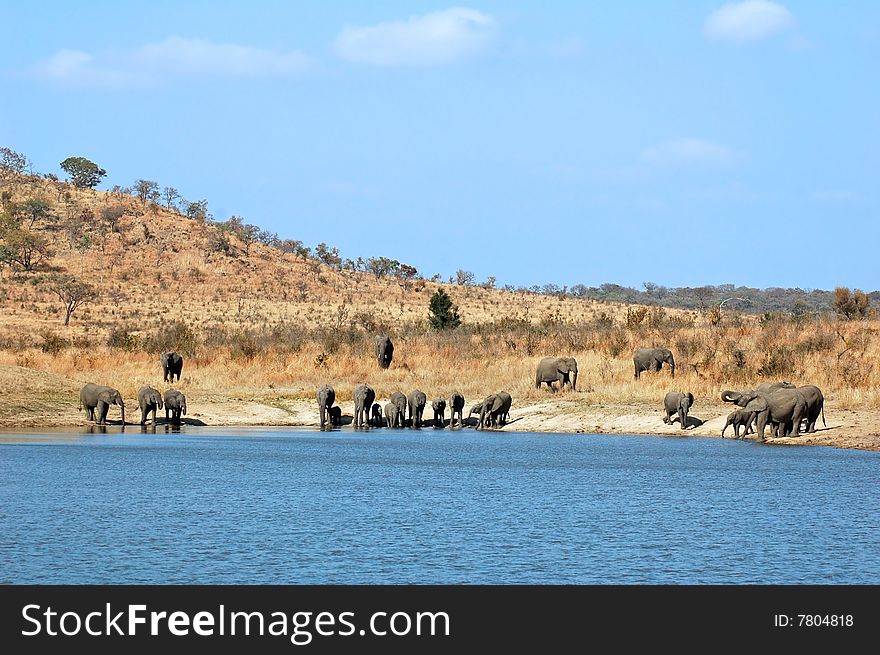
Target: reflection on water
x: 181, y: 504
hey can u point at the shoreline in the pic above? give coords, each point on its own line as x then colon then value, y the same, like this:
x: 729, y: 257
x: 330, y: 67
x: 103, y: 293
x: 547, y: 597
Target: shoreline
x: 849, y: 429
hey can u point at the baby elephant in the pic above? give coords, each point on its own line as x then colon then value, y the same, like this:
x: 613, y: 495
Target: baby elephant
x: 175, y: 405
x: 737, y: 418
x: 392, y: 416
x: 439, y: 406
x: 335, y: 415
x: 678, y: 402
x: 376, y: 415
x: 149, y: 400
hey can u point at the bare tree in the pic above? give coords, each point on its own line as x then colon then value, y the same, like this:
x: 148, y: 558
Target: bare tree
x: 73, y: 293
x: 146, y: 190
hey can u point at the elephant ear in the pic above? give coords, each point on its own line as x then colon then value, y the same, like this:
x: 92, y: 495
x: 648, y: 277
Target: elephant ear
x: 756, y: 404
x: 690, y: 398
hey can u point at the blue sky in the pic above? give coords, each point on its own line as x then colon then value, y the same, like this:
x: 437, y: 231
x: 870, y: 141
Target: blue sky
x: 684, y: 143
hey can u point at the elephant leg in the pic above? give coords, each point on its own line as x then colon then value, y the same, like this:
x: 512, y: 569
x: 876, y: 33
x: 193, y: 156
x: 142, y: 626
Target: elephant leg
x: 761, y: 424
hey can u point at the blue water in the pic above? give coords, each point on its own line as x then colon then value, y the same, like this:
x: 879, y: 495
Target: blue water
x: 295, y: 506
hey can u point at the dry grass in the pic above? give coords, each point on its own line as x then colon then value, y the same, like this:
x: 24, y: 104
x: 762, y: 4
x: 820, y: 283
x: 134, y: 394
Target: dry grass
x: 710, y: 359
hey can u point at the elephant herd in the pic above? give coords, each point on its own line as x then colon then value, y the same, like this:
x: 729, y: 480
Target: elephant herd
x: 96, y: 399
x: 781, y: 405
x: 493, y: 410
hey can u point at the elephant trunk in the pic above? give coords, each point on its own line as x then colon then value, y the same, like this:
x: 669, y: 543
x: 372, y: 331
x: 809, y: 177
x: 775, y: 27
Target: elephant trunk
x: 730, y: 396
x: 574, y: 380
x: 122, y: 409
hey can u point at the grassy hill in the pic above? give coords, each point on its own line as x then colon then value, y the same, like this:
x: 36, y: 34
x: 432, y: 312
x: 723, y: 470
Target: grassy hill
x: 257, y: 322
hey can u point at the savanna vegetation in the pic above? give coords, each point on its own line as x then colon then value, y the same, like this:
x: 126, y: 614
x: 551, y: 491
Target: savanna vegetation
x: 95, y: 284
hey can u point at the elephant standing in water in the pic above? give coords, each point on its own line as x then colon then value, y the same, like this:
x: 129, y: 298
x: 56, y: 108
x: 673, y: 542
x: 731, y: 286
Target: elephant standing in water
x: 335, y: 415
x: 557, y: 369
x: 494, y: 410
x: 175, y: 405
x: 363, y: 402
x: 416, y: 402
x: 439, y: 407
x: 172, y: 364
x: 98, y: 397
x: 652, y: 359
x: 326, y: 396
x: 376, y: 415
x: 784, y: 407
x: 456, y: 406
x: 397, y: 408
x: 149, y: 400
x: 737, y: 418
x: 815, y: 405
x: 677, y: 402
x: 384, y: 351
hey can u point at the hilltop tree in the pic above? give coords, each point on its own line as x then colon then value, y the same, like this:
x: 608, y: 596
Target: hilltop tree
x: 442, y: 313
x: 83, y: 173
x: 170, y: 197
x: 198, y: 210
x: 464, y: 278
x: 405, y: 276
x: 73, y: 293
x: 381, y: 266
x: 12, y: 162
x: 146, y: 191
x: 327, y: 255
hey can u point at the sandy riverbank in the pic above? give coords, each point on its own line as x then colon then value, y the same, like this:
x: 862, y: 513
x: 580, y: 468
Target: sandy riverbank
x: 51, y: 401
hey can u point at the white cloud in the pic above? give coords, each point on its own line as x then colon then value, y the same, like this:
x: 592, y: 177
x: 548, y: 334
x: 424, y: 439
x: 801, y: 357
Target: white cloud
x: 175, y: 57
x: 685, y: 152
x: 749, y: 20
x: 434, y: 38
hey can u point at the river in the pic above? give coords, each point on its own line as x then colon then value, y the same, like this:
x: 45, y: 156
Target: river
x: 287, y: 505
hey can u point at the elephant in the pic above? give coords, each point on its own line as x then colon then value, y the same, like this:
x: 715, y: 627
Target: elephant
x: 557, y: 369
x: 172, y: 364
x: 149, y: 400
x: 384, y: 351
x: 815, y: 405
x: 326, y: 396
x: 335, y: 415
x: 416, y: 402
x: 175, y: 405
x: 652, y: 359
x: 456, y: 406
x: 737, y: 418
x: 390, y: 414
x: 678, y: 402
x: 376, y: 415
x: 785, y: 407
x: 98, y: 397
x: 770, y: 387
x: 476, y: 409
x: 363, y: 402
x: 439, y: 407
x: 497, y: 406
x: 398, y: 415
